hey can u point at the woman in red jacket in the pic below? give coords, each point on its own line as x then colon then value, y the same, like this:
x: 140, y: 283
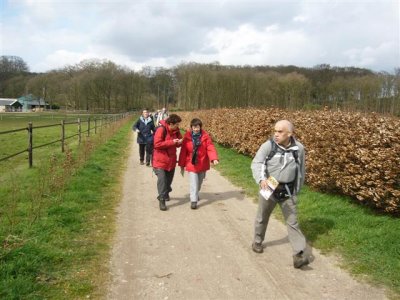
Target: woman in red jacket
x: 196, y: 153
x: 166, y: 139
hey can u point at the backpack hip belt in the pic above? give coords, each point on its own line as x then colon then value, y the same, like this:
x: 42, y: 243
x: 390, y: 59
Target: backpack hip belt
x: 284, y: 190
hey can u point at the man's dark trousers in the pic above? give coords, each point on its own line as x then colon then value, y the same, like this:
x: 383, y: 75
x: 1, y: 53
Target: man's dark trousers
x: 148, y: 148
x: 164, y: 181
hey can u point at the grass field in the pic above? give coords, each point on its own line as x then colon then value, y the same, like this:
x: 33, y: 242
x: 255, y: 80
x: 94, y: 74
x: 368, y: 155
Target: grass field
x: 10, y: 121
x: 368, y: 243
x: 56, y: 222
x: 15, y: 142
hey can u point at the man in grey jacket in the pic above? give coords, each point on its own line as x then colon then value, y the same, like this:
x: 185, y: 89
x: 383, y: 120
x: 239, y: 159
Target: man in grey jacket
x: 280, y: 160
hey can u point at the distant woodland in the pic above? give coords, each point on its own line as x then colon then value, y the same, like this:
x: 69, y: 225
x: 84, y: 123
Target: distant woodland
x: 103, y: 86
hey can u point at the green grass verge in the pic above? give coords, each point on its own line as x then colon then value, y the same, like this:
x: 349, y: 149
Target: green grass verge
x: 64, y: 253
x: 368, y: 243
x: 15, y: 142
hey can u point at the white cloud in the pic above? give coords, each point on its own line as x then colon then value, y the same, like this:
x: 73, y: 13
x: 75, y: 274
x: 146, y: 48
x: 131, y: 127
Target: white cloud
x: 250, y: 45
x: 136, y: 33
x: 300, y: 19
x: 368, y: 56
x: 61, y: 58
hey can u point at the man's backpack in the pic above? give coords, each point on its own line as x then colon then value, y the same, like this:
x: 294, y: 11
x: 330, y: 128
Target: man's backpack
x: 164, y: 134
x: 281, y: 191
x: 274, y: 150
x: 164, y: 131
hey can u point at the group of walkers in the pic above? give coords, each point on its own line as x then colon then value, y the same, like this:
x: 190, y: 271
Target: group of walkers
x: 278, y: 167
x: 160, y: 144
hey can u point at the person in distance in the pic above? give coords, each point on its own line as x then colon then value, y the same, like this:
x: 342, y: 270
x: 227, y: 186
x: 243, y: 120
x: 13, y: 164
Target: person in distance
x: 145, y: 130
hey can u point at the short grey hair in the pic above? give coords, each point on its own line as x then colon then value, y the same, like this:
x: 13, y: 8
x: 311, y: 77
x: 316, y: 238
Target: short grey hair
x: 288, y: 124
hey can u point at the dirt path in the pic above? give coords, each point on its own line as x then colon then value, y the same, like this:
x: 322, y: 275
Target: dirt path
x: 206, y: 253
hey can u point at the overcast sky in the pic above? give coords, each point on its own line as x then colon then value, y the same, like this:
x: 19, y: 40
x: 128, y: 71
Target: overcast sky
x: 50, y: 34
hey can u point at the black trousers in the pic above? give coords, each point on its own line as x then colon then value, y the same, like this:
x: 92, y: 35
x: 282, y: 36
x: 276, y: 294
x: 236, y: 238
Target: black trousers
x: 164, y: 181
x: 148, y: 148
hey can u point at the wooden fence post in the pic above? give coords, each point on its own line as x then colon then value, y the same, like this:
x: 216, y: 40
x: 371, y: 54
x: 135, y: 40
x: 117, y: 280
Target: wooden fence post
x: 62, y: 135
x: 79, y: 131
x: 95, y: 126
x: 88, y: 126
x: 30, y: 144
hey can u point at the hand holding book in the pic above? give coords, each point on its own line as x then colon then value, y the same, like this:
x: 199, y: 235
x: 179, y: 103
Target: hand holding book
x: 268, y: 189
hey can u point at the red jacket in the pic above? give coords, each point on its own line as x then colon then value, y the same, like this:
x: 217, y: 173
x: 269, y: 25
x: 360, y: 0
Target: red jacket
x: 164, y: 153
x: 205, y: 153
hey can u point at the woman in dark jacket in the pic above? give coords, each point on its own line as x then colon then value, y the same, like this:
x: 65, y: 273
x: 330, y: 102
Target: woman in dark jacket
x: 145, y: 130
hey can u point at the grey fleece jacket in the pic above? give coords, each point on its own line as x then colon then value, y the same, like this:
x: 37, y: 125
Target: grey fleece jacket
x: 282, y: 165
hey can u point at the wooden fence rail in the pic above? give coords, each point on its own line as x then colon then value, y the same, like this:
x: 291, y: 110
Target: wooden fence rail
x: 97, y: 123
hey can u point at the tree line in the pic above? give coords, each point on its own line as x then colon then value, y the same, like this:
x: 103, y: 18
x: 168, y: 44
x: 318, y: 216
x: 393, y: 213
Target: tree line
x: 102, y: 85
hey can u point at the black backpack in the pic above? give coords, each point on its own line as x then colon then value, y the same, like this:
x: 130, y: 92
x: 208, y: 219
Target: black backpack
x: 274, y: 150
x: 280, y: 193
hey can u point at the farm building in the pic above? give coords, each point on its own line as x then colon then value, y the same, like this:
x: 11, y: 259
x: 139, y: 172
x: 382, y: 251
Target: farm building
x: 9, y: 105
x: 30, y: 103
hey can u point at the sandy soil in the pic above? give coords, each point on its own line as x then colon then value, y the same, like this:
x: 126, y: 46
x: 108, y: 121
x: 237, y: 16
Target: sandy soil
x: 206, y: 253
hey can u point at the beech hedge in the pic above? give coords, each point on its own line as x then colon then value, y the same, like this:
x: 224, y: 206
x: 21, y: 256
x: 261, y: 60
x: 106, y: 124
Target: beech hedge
x: 353, y: 154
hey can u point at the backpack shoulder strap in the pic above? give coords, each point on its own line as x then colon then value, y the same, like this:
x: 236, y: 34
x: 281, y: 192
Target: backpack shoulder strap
x: 164, y: 129
x: 270, y: 155
x: 272, y: 152
x: 296, y: 156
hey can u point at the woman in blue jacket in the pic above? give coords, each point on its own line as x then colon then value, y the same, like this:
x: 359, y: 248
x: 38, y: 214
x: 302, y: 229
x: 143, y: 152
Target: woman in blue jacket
x: 145, y: 130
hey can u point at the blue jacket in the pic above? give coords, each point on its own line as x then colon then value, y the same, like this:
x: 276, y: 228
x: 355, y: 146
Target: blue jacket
x: 146, y: 130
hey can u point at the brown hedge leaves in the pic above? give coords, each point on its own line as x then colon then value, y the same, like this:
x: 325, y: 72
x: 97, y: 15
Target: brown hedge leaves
x: 352, y: 154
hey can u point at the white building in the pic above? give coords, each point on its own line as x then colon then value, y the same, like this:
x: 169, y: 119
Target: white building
x: 10, y: 104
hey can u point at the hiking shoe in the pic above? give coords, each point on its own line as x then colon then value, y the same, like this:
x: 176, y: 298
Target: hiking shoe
x: 257, y: 247
x: 165, y: 199
x: 300, y: 260
x: 163, y: 207
x: 142, y: 162
x: 193, y: 205
x: 148, y: 164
